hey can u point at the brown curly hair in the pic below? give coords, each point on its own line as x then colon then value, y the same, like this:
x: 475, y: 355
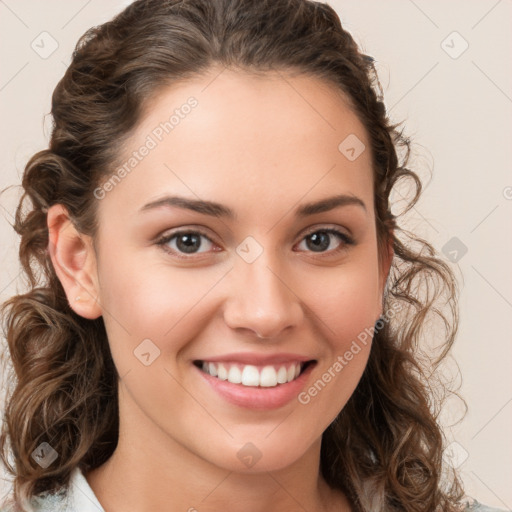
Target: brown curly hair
x: 384, y: 450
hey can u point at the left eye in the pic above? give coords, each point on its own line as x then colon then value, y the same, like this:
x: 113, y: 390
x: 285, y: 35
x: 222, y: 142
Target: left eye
x: 320, y: 240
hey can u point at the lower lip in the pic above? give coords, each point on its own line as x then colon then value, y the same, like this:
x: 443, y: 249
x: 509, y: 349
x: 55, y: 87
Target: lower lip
x: 257, y: 397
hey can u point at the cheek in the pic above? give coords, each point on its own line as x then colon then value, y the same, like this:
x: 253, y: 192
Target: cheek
x: 346, y: 299
x: 151, y: 301
x: 345, y: 303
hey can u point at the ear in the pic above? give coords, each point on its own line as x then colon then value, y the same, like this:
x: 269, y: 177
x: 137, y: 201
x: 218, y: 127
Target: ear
x: 74, y: 260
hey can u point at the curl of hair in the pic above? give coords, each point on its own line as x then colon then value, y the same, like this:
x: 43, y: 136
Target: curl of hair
x: 384, y: 450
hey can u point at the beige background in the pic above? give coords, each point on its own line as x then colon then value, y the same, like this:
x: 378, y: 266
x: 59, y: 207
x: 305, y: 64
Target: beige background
x: 457, y: 106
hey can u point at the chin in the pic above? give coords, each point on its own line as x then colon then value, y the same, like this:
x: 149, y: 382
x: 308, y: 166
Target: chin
x: 261, y: 454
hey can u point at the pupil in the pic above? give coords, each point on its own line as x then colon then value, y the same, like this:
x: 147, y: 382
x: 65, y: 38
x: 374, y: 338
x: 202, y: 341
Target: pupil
x: 188, y: 242
x: 320, y: 241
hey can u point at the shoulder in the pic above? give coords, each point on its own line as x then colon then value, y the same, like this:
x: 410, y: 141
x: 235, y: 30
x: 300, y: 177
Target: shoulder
x: 78, y: 497
x: 46, y: 502
x: 475, y: 506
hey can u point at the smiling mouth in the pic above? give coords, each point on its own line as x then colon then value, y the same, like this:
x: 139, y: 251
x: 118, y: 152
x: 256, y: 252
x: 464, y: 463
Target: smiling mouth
x: 267, y: 376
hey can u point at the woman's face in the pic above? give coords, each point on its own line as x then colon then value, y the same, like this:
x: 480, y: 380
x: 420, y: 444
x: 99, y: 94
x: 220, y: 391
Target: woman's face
x: 255, y: 283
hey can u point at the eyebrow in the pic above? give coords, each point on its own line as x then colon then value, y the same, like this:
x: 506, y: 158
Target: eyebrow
x: 219, y: 210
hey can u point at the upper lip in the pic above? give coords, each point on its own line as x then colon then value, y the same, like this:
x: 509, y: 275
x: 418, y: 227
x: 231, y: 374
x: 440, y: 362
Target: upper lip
x: 257, y: 359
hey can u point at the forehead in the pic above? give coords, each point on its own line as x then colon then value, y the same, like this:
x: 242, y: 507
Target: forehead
x: 228, y: 135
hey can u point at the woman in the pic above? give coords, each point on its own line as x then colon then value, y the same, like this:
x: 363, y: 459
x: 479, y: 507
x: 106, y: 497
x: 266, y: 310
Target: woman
x: 226, y: 317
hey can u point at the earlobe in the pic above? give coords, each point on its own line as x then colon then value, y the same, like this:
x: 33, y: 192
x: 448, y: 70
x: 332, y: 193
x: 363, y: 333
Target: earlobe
x: 74, y: 261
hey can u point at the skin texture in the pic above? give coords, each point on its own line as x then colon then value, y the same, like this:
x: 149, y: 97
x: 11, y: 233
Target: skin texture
x: 262, y: 146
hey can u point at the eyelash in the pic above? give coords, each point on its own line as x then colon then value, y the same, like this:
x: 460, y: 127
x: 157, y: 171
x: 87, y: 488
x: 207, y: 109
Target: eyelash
x: 164, y: 240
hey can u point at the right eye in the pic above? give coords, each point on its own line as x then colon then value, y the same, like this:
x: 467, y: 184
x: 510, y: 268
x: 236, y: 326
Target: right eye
x: 185, y: 242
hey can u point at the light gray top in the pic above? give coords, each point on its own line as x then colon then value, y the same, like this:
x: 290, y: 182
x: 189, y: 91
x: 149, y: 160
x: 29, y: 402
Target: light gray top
x: 81, y: 498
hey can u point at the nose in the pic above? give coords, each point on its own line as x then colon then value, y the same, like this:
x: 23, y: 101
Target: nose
x: 262, y: 300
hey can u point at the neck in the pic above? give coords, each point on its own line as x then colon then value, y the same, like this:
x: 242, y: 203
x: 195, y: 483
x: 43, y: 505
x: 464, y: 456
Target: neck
x: 155, y: 472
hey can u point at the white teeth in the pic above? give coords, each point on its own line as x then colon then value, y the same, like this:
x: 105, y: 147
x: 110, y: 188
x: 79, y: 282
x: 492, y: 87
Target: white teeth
x: 269, y: 378
x: 250, y: 375
x: 222, y: 372
x: 282, y: 375
x: 235, y: 375
x: 212, y: 370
